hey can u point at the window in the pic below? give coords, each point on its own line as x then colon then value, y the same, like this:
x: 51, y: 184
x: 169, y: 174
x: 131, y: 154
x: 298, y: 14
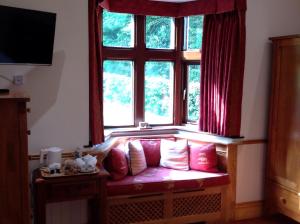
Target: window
x: 118, y: 29
x: 193, y: 32
x: 149, y: 62
x: 159, y: 84
x: 193, y: 92
x: 117, y: 92
x: 160, y: 32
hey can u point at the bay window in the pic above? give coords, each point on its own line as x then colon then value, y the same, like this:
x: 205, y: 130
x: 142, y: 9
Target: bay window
x: 151, y: 69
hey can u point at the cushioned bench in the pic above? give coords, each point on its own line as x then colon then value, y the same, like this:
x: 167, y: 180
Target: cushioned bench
x: 164, y: 195
x: 160, y: 179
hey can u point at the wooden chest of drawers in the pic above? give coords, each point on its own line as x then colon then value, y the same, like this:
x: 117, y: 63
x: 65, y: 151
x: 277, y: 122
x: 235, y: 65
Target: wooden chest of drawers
x: 14, y: 186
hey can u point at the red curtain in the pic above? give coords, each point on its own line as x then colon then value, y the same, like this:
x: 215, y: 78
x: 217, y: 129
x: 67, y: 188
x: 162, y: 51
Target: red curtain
x: 222, y: 71
x: 159, y: 8
x: 95, y: 74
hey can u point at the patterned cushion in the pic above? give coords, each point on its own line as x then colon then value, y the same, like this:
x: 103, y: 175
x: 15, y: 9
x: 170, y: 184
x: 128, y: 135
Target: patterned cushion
x: 136, y: 157
x: 174, y: 154
x: 160, y: 179
x: 116, y: 164
x: 203, y: 157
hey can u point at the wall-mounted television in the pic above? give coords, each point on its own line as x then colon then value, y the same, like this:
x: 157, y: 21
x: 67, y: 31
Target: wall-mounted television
x: 26, y: 36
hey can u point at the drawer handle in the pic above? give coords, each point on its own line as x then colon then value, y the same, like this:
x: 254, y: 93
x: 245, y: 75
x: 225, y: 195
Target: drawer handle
x: 283, y: 200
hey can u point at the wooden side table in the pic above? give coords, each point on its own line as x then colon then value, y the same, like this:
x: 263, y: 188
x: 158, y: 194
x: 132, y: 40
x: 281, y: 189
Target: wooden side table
x: 91, y: 187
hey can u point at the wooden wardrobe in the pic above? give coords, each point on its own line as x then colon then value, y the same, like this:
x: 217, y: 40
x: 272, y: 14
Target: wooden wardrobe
x: 283, y: 154
x: 14, y: 193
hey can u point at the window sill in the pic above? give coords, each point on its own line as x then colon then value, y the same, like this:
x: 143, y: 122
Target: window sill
x: 189, y: 131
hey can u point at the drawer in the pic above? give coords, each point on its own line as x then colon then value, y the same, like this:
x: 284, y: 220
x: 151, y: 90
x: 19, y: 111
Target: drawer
x: 285, y: 199
x: 64, y: 191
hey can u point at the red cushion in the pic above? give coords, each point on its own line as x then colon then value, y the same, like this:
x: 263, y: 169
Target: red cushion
x: 160, y: 179
x: 203, y: 158
x: 116, y: 164
x: 152, y: 151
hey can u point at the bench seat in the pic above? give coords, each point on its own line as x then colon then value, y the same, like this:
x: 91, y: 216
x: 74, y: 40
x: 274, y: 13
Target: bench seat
x: 160, y: 179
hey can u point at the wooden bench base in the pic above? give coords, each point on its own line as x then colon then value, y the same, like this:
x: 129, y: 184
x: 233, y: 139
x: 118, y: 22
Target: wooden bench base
x: 207, y: 205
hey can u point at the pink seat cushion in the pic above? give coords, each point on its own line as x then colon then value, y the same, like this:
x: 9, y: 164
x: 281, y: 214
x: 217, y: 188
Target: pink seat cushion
x: 203, y: 157
x: 160, y: 179
x: 116, y: 164
x: 152, y: 151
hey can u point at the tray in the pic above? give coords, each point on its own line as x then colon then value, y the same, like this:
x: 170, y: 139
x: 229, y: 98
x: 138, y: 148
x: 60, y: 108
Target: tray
x: 46, y: 174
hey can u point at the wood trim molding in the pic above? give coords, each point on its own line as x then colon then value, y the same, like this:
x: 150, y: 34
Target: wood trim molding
x: 253, y: 141
x: 66, y: 155
x: 191, y: 55
x: 231, y: 170
x: 248, y: 210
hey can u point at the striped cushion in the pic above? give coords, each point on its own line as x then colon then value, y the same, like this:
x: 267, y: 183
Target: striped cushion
x: 136, y: 157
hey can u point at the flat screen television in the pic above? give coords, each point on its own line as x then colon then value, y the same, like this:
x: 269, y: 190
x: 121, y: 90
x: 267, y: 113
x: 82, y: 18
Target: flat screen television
x: 26, y: 36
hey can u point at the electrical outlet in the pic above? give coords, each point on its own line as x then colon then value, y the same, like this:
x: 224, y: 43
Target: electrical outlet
x: 18, y: 80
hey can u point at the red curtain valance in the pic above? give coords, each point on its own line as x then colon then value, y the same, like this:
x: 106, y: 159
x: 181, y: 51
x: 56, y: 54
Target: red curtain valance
x: 158, y: 8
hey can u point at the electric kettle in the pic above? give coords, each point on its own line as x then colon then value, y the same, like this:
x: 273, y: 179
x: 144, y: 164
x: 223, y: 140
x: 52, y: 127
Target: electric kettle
x: 53, y: 155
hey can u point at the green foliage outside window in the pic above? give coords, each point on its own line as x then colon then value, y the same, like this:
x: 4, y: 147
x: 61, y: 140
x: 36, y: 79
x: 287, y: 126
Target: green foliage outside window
x: 193, y: 92
x: 118, y: 92
x: 118, y: 29
x: 158, y: 92
x: 195, y: 32
x: 160, y: 32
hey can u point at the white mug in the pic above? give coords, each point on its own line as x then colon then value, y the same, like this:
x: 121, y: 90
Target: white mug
x: 53, y: 155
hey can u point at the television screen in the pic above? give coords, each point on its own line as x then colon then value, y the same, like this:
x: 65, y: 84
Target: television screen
x: 26, y: 36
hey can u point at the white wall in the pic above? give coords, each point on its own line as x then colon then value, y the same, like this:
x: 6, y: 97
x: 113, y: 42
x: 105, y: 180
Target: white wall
x: 59, y: 93
x: 265, y: 18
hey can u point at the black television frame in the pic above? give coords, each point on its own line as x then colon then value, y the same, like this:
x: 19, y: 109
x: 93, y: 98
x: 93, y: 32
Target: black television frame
x: 21, y: 29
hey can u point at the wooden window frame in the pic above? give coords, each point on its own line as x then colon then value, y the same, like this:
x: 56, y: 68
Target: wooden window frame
x: 186, y: 63
x: 139, y: 54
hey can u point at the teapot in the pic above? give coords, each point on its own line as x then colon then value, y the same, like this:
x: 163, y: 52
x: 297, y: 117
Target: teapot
x: 53, y: 155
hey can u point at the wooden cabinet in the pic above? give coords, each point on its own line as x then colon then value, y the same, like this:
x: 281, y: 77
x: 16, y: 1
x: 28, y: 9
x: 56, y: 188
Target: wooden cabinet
x: 283, y: 155
x: 14, y: 198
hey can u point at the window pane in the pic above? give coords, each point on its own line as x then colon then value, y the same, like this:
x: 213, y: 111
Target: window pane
x: 118, y: 29
x: 159, y: 92
x: 193, y: 92
x: 118, y: 92
x: 194, y: 32
x: 160, y: 32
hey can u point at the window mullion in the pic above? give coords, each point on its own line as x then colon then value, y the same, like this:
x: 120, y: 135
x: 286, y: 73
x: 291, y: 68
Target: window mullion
x: 178, y: 102
x: 184, y: 88
x: 139, y: 69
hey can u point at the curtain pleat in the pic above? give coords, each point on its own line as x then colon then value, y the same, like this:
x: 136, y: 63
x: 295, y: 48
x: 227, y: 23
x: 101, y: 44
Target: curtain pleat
x: 95, y: 74
x: 160, y: 8
x: 222, y: 72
